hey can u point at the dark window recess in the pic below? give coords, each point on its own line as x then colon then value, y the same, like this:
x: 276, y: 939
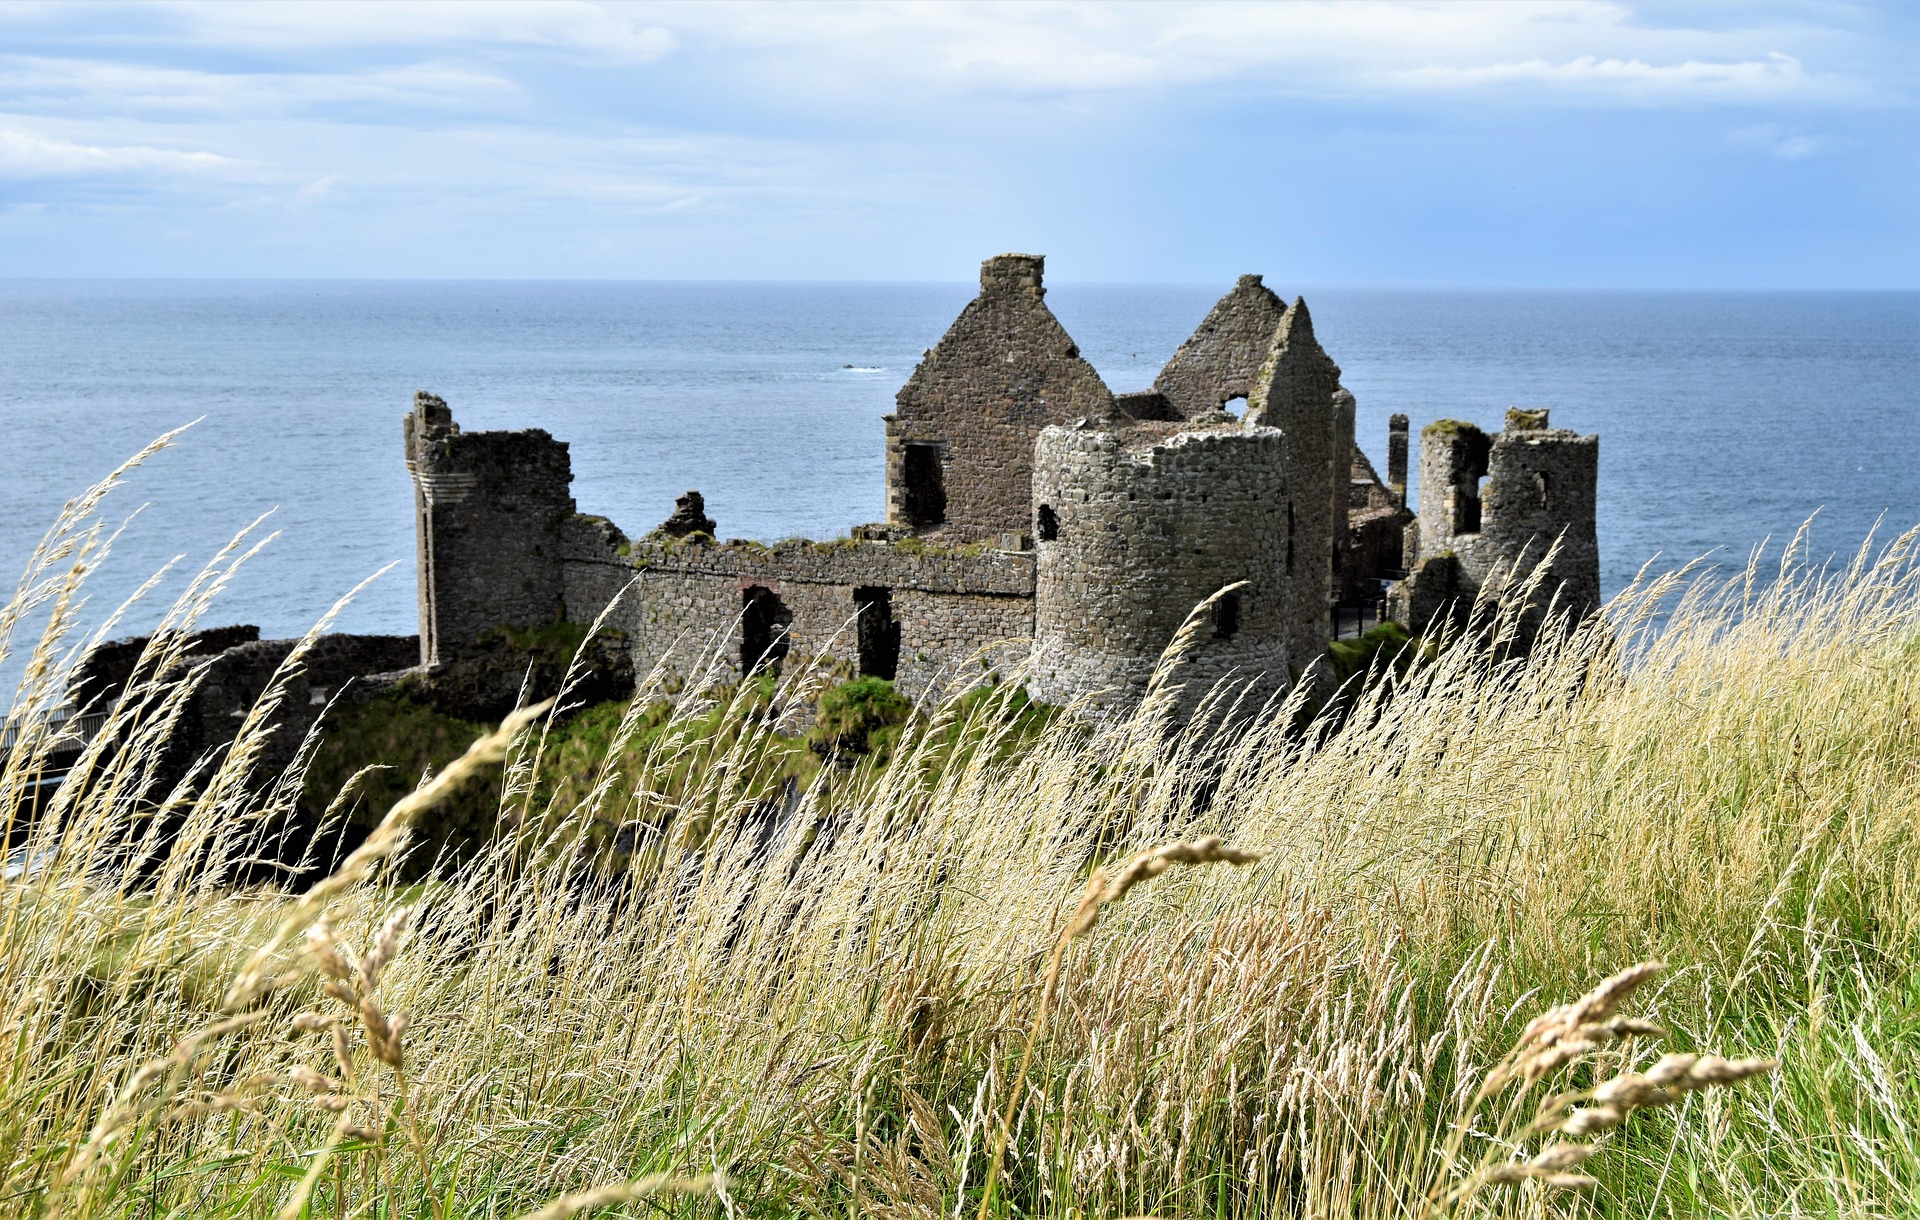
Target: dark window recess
x: 1048, y: 523
x: 1289, y: 537
x: 1467, y: 509
x: 878, y: 633
x: 1546, y: 497
x: 764, y: 625
x: 1226, y: 616
x: 924, y: 486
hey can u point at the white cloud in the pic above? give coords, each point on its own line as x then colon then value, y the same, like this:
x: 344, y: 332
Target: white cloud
x: 77, y: 86
x: 1574, y: 49
x: 1631, y: 79
x: 572, y: 27
x: 27, y: 154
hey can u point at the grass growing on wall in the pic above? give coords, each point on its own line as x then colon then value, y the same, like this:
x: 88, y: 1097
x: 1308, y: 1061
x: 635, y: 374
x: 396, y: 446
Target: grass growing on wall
x: 828, y: 1008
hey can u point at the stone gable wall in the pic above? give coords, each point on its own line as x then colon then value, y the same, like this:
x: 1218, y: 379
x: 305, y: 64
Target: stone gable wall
x: 1219, y: 361
x: 1142, y: 534
x: 1005, y: 369
x: 1295, y: 392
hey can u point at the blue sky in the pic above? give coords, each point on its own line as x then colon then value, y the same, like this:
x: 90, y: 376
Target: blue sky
x: 1563, y: 143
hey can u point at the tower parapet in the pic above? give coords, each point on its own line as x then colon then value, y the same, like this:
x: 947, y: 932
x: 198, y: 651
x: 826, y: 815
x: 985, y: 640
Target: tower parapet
x: 1137, y: 526
x: 489, y: 511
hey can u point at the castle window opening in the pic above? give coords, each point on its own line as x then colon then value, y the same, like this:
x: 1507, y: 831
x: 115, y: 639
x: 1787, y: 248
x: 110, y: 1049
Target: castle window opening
x: 1466, y: 508
x: 877, y: 632
x: 1540, y: 484
x: 765, y: 623
x: 1236, y: 406
x: 1047, y: 523
x: 1226, y: 616
x: 1289, y: 537
x: 925, y: 486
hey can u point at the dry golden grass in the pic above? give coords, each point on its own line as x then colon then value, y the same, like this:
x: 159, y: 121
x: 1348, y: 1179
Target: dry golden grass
x: 829, y: 1019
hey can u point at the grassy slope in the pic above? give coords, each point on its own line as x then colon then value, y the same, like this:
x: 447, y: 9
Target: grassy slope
x: 832, y: 1018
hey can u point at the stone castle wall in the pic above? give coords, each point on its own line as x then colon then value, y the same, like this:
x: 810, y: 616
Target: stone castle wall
x: 1220, y: 360
x: 490, y: 509
x: 1134, y: 532
x: 688, y: 605
x: 1295, y: 392
x: 1491, y: 509
x: 1005, y: 369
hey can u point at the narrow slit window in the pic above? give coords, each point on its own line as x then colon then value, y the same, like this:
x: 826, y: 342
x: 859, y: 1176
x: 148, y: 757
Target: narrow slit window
x: 1047, y: 523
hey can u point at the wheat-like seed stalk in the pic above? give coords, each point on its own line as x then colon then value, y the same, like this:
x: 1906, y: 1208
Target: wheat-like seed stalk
x: 625, y: 1192
x: 1103, y: 886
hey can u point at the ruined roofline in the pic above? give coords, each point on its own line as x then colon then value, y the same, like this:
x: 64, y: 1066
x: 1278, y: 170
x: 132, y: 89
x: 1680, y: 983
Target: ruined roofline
x: 1220, y: 359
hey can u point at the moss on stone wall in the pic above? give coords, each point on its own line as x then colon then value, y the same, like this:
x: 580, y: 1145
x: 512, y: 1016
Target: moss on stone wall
x: 1452, y: 428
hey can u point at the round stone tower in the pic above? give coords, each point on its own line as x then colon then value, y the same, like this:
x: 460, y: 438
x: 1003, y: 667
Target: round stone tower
x: 1135, y: 527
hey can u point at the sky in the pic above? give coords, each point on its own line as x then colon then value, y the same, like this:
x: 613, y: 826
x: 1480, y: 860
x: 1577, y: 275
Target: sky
x: 1547, y: 144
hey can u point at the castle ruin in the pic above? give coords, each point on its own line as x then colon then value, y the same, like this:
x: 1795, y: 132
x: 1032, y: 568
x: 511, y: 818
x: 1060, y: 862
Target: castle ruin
x: 1036, y: 521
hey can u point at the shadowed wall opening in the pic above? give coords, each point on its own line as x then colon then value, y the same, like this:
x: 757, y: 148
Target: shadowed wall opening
x: 1226, y: 616
x: 764, y: 623
x: 925, y: 486
x: 1047, y: 523
x: 878, y: 631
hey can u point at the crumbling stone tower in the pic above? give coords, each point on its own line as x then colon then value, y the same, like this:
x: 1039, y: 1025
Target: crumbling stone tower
x: 960, y: 441
x: 1491, y: 508
x: 1298, y: 391
x: 1137, y: 525
x: 489, y: 508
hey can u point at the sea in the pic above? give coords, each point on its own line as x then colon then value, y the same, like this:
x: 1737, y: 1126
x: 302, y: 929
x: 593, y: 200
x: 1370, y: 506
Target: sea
x: 1726, y: 419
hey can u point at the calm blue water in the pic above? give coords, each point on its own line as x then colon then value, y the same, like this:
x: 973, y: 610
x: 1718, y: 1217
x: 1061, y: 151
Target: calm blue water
x: 1724, y: 418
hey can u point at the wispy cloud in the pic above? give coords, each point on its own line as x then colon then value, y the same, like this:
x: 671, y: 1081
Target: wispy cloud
x: 1583, y: 50
x: 1782, y: 141
x: 598, y: 32
x: 25, y: 154
x: 46, y: 85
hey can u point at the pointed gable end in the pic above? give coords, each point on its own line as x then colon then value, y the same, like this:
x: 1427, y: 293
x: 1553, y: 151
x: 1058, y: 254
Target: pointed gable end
x: 960, y: 442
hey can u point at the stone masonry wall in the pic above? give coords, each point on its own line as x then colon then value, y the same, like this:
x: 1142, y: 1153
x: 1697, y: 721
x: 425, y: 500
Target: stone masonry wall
x: 1294, y: 392
x: 1221, y: 358
x: 686, y: 603
x: 489, y: 508
x: 1005, y: 369
x: 1135, y: 532
x: 1490, y: 510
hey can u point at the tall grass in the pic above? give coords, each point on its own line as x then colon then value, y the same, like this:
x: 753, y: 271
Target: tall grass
x: 823, y: 1011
